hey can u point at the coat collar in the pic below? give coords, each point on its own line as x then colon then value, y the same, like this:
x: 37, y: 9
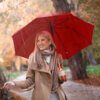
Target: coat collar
x: 45, y: 68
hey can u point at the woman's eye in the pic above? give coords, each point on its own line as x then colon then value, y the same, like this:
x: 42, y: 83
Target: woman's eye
x: 37, y: 41
x: 43, y: 40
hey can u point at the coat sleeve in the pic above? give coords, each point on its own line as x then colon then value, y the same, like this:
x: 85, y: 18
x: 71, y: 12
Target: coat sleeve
x: 30, y: 78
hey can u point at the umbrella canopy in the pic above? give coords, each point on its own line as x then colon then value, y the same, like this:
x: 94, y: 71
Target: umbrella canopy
x: 70, y: 34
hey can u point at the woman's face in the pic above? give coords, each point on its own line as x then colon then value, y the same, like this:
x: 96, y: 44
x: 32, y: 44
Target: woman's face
x: 43, y: 43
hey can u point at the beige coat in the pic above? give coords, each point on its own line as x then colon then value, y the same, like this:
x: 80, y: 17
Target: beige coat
x: 42, y: 80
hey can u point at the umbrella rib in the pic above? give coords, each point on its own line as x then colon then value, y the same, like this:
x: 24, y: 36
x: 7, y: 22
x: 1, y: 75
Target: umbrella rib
x: 63, y: 21
x: 59, y: 38
x: 60, y: 41
x: 74, y: 31
x: 23, y: 42
x: 39, y: 21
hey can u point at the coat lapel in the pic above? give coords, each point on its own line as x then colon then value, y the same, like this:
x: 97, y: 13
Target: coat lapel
x: 45, y: 67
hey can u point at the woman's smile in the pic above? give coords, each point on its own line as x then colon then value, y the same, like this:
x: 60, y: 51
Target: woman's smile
x: 41, y: 46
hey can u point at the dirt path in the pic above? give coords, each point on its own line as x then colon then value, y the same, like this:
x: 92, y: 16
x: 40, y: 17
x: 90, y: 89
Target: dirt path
x: 74, y: 91
x: 77, y: 91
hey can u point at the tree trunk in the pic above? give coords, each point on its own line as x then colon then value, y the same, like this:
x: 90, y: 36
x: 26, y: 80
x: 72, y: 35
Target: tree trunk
x: 61, y: 5
x: 4, y: 94
x: 1, y: 0
x: 90, y: 57
x: 76, y: 64
x: 78, y: 68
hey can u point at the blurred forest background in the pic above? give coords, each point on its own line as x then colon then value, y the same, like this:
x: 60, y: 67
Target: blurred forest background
x: 14, y: 14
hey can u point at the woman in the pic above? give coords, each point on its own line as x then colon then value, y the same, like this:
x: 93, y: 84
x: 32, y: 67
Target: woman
x: 43, y: 71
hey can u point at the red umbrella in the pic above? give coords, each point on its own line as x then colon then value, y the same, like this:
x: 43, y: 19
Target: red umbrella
x: 70, y: 34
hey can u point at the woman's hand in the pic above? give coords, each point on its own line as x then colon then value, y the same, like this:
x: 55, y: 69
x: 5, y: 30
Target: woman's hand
x: 62, y: 75
x: 7, y: 85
